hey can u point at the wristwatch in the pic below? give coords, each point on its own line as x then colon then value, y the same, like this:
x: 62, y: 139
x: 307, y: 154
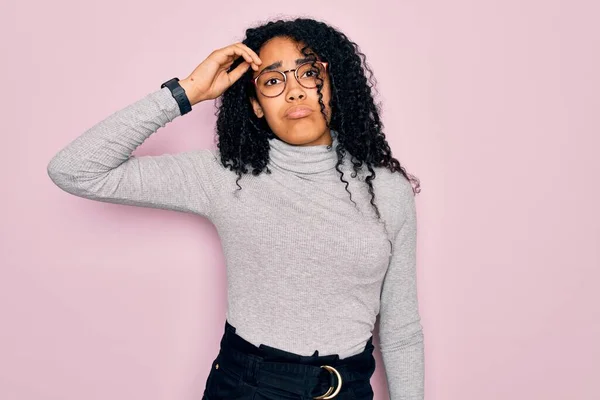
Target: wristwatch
x: 179, y: 95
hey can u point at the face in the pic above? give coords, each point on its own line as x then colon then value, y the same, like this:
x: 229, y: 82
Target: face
x: 306, y: 130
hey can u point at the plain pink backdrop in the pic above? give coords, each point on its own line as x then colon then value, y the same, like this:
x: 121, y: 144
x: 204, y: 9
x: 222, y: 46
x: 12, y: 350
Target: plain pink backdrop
x: 494, y: 105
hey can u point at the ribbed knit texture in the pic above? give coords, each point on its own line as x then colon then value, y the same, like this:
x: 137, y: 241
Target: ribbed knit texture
x: 306, y: 269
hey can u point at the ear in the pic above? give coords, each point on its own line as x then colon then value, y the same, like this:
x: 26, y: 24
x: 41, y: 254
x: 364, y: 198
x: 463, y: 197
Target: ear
x: 257, y: 108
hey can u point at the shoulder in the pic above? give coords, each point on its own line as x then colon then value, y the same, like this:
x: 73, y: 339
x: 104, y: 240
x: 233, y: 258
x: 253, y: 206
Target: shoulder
x: 205, y: 163
x: 394, y: 195
x: 209, y: 158
x: 393, y: 186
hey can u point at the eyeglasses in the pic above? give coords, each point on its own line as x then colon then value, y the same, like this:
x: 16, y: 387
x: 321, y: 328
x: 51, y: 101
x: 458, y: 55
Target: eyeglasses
x: 273, y: 83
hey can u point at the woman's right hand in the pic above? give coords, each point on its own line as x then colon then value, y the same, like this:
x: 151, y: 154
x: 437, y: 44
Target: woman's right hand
x: 210, y: 79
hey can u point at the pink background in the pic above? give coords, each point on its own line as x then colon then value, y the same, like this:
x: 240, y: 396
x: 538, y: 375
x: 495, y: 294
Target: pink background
x: 492, y: 104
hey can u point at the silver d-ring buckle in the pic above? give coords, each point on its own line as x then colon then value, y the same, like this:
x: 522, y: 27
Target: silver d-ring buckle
x: 329, y: 394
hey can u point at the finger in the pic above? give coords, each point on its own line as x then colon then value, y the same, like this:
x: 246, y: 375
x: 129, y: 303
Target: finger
x: 238, y: 72
x: 239, y: 51
x: 229, y: 54
x: 255, y: 56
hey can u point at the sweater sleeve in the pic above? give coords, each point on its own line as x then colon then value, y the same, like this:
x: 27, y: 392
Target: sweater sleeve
x: 99, y: 164
x: 400, y: 330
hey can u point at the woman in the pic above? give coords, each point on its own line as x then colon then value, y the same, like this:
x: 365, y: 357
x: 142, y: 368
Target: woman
x: 312, y: 258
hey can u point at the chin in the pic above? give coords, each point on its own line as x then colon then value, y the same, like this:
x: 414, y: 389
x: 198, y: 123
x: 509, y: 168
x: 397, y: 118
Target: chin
x: 302, y: 135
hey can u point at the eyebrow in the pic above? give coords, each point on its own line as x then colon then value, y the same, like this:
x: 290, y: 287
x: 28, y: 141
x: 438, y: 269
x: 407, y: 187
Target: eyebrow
x: 278, y: 64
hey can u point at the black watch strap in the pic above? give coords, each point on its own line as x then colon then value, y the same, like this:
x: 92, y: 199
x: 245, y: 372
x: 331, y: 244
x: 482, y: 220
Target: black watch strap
x: 179, y: 95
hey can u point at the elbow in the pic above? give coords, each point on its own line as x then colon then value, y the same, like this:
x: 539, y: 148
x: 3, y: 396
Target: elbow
x: 58, y: 174
x: 409, y: 339
x: 63, y: 174
x: 412, y: 341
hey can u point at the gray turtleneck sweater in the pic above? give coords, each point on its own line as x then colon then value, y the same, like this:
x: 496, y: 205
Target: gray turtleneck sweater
x: 306, y: 269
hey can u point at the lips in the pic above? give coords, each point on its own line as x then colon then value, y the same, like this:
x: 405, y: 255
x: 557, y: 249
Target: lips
x: 298, y: 112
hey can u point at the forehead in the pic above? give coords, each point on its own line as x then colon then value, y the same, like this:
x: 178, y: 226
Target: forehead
x: 280, y: 49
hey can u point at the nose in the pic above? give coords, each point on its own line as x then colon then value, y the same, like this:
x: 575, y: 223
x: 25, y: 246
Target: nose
x: 294, y: 90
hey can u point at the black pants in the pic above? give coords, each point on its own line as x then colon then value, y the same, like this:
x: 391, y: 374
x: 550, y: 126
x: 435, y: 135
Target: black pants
x: 246, y: 372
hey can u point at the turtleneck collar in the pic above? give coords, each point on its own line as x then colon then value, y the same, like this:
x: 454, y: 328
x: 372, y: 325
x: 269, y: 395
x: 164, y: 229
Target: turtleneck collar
x: 304, y: 159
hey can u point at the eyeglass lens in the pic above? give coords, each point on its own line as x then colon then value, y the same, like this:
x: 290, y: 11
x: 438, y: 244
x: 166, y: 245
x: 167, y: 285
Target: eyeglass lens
x: 272, y: 83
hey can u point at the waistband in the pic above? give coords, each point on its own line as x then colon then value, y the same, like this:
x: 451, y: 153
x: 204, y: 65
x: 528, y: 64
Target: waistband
x: 299, y: 374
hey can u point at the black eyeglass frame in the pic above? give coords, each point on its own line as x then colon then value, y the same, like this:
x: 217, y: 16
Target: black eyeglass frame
x: 284, y: 73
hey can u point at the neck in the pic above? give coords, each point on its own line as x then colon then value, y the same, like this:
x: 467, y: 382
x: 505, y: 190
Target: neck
x: 305, y: 159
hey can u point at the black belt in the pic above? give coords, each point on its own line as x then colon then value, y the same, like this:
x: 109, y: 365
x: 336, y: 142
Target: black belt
x: 325, y: 374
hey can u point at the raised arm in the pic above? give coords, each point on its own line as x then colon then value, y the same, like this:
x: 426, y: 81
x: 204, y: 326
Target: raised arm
x: 400, y: 330
x: 99, y: 164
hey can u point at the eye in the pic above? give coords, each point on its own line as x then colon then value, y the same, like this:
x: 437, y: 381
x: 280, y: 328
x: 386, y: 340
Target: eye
x: 311, y: 71
x: 269, y: 82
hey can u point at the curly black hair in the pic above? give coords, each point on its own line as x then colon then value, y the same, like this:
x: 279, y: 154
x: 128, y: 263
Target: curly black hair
x: 244, y: 138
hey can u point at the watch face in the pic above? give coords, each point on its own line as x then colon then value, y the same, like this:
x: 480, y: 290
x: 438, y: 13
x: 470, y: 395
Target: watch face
x: 170, y: 81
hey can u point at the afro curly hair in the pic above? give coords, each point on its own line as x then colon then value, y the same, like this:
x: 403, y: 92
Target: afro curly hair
x: 243, y: 138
